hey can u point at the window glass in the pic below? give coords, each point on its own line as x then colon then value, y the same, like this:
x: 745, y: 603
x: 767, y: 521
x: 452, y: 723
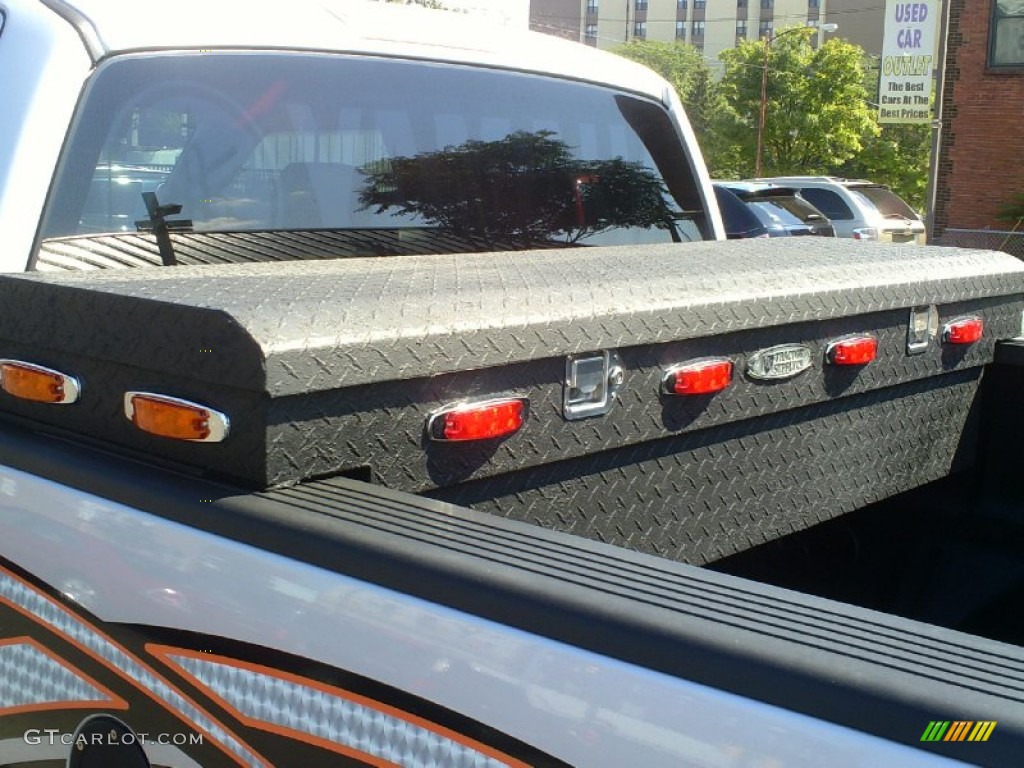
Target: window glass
x: 1006, y: 43
x: 828, y: 202
x: 780, y: 210
x: 739, y: 219
x: 886, y: 201
x: 278, y: 142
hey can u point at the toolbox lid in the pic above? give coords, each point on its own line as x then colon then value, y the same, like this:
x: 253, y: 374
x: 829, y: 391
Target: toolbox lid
x: 307, y: 326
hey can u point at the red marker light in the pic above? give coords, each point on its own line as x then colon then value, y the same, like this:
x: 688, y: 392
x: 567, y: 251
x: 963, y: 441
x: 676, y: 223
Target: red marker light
x: 478, y: 421
x: 38, y: 384
x: 858, y: 350
x: 965, y: 330
x: 699, y: 377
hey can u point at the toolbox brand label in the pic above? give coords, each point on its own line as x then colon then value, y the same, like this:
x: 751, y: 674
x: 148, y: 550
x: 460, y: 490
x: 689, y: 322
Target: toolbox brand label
x: 781, y: 362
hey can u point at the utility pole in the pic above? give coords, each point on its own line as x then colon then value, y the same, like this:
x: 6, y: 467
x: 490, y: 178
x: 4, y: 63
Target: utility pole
x: 763, y: 114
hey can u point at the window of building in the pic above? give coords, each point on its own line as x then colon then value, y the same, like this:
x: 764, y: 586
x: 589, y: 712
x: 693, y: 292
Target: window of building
x: 741, y: 29
x: 767, y: 3
x: 813, y: 3
x: 699, y: 4
x: 591, y: 31
x: 592, y: 6
x: 681, y: 5
x: 765, y: 28
x: 681, y: 30
x: 641, y: 5
x: 698, y: 29
x: 741, y: 3
x: 1006, y: 34
x: 640, y: 30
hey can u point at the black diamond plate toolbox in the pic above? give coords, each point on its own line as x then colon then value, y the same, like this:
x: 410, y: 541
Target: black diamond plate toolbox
x: 335, y: 367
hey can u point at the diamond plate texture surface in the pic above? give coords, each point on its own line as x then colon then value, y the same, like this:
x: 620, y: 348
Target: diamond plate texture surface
x: 699, y: 497
x: 382, y: 427
x: 30, y: 677
x: 116, y: 251
x: 46, y: 611
x: 318, y: 325
x: 333, y: 367
x: 309, y: 711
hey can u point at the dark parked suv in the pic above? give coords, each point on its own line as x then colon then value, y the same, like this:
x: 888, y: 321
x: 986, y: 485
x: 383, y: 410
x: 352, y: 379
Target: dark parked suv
x: 757, y: 209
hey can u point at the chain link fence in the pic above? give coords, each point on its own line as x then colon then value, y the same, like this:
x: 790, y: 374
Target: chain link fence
x: 1010, y: 242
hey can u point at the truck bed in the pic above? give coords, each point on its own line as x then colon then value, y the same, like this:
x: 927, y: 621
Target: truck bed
x: 329, y: 504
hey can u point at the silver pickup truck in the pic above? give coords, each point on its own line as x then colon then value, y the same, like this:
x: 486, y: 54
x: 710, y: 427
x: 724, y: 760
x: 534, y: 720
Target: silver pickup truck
x: 376, y: 388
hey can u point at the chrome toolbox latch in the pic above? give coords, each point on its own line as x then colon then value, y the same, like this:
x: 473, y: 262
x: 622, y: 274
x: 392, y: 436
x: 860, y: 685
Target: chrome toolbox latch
x: 591, y: 383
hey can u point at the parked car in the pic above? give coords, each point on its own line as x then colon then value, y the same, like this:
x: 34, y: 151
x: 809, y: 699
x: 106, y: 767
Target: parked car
x: 740, y: 222
x: 860, y: 209
x: 761, y: 209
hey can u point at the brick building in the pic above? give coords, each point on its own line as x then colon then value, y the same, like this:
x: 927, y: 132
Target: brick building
x: 981, y: 159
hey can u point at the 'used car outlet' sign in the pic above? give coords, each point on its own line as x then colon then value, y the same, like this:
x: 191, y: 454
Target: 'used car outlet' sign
x: 908, y: 55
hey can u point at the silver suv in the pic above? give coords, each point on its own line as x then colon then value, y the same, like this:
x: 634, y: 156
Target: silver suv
x: 860, y: 209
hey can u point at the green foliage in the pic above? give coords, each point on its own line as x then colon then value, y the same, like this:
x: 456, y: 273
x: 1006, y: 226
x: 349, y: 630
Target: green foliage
x: 684, y: 67
x: 898, y: 157
x: 817, y: 114
x: 1013, y: 212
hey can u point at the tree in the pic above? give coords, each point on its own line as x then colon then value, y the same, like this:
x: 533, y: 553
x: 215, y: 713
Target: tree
x: 897, y: 157
x: 817, y: 115
x: 1013, y: 211
x: 527, y: 187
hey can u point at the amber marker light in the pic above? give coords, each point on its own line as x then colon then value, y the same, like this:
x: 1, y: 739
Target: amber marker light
x: 174, y: 418
x: 27, y: 381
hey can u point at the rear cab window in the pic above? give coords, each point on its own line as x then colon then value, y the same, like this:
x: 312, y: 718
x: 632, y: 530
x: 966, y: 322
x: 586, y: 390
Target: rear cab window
x: 254, y: 142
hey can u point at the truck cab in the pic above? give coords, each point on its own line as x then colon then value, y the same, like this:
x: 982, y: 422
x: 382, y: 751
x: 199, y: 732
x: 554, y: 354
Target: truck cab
x: 253, y: 123
x: 376, y: 389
